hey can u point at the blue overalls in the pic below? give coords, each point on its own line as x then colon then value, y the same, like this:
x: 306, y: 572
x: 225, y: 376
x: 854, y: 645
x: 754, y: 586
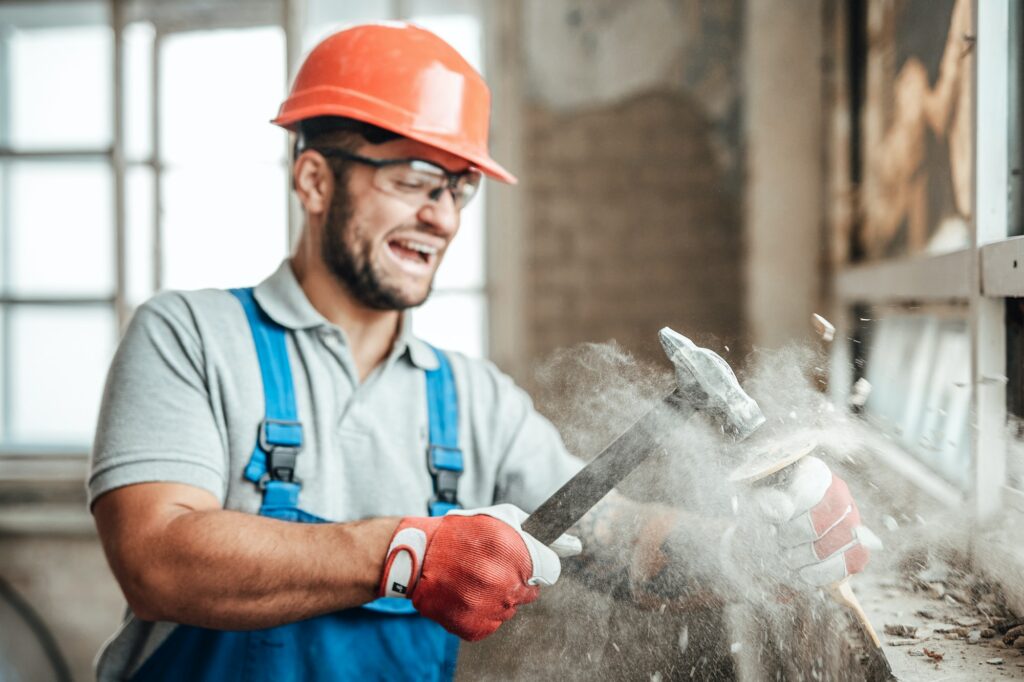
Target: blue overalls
x: 383, y: 640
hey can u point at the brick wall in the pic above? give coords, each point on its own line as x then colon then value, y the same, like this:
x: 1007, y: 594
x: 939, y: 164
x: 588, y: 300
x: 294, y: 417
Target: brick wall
x: 631, y: 225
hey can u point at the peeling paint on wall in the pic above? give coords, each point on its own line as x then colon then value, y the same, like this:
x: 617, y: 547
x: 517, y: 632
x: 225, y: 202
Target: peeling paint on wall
x: 589, y: 54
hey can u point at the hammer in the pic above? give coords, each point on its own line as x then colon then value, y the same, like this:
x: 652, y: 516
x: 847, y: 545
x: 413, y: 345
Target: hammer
x: 704, y: 383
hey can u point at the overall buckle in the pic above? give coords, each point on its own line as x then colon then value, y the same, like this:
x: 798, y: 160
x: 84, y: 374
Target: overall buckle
x: 281, y: 440
x: 446, y: 466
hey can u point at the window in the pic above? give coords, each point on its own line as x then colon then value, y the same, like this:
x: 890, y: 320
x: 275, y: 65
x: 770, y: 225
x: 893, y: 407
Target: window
x: 98, y: 212
x: 930, y: 278
x: 57, y: 221
x: 97, y: 216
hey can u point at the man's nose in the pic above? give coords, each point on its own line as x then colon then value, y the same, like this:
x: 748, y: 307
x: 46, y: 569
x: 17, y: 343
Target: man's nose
x: 441, y: 214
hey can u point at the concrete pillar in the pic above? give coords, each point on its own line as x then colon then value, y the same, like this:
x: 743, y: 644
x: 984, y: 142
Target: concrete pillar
x: 785, y: 167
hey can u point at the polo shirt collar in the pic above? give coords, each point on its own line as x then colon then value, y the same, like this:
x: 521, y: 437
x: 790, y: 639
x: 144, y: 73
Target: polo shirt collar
x: 421, y: 354
x: 281, y: 297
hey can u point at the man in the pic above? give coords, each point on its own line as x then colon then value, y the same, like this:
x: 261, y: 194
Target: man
x: 273, y: 467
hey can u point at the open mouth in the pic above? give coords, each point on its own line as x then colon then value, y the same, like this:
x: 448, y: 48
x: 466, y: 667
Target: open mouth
x: 412, y: 251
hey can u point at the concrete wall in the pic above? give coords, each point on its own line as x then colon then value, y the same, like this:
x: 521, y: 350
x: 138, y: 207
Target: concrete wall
x: 632, y: 169
x: 66, y: 579
x: 51, y: 557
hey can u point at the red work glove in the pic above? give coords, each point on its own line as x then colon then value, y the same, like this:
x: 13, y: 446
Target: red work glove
x: 470, y: 569
x: 819, y: 527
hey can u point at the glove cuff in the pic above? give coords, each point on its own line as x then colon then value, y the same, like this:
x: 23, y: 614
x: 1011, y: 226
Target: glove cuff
x: 403, y: 563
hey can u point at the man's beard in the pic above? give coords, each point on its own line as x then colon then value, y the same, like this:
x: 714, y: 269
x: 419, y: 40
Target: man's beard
x: 353, y: 269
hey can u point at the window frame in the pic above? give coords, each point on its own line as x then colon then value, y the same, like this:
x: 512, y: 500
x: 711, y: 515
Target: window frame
x: 48, y: 463
x: 981, y: 276
x: 55, y: 460
x: 502, y: 251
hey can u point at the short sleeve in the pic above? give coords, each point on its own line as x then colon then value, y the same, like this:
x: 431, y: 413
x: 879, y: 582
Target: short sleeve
x: 532, y: 459
x: 156, y: 421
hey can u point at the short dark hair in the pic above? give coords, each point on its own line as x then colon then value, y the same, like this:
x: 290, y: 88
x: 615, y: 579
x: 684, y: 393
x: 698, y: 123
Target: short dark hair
x: 312, y: 131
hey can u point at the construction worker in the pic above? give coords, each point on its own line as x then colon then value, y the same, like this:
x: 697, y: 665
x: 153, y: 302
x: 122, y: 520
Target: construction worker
x: 288, y: 484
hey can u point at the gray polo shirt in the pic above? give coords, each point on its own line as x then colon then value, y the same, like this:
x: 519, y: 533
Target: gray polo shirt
x: 184, y: 399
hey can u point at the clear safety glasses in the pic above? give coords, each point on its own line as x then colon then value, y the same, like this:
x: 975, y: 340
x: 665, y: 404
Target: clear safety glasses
x: 414, y: 180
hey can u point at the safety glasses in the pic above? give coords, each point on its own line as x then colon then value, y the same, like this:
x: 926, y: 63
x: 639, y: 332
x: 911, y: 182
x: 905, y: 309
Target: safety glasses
x: 415, y: 181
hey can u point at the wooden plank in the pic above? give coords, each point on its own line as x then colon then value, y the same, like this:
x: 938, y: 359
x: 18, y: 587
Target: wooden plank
x: 924, y: 278
x: 1002, y: 268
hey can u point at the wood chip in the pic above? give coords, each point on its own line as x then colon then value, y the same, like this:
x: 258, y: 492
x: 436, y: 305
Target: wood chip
x: 1013, y: 633
x: 1008, y: 625
x: 900, y: 630
x: 907, y: 641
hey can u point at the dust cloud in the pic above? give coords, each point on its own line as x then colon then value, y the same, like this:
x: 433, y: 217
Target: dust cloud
x: 727, y: 608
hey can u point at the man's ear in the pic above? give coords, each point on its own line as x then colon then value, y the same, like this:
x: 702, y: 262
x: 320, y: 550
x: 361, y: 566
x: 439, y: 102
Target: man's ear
x: 313, y: 181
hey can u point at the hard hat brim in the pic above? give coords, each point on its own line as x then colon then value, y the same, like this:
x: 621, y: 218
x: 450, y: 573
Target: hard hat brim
x: 290, y: 119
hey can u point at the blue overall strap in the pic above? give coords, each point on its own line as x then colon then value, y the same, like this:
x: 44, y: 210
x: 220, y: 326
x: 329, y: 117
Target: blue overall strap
x: 444, y: 458
x: 280, y: 433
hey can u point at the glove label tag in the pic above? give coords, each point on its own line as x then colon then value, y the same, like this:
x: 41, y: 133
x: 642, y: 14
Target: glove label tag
x: 404, y: 562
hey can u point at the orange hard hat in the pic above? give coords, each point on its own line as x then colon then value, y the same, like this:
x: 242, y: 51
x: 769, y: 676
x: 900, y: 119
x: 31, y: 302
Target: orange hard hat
x: 400, y: 77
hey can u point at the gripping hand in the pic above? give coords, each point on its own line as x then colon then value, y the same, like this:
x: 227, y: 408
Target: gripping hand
x: 469, y: 570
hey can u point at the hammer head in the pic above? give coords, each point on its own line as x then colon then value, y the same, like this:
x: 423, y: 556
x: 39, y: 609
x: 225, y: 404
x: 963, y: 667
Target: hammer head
x: 707, y: 382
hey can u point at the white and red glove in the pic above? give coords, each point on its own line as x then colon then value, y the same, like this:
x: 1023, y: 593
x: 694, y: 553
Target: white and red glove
x: 470, y: 569
x: 819, y: 527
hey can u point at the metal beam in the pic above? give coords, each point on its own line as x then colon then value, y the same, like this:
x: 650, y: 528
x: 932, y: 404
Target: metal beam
x: 6, y: 300
x: 154, y: 131
x: 121, y: 312
x: 6, y: 354
x: 927, y: 278
x: 57, y: 154
x: 989, y: 224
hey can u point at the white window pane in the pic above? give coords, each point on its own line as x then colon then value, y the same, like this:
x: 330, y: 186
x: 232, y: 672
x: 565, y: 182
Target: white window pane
x: 138, y: 90
x: 5, y: 381
x: 60, y: 76
x: 61, y: 228
x: 219, y: 90
x: 5, y: 217
x: 223, y: 228
x: 453, y: 321
x: 463, y: 264
x: 919, y: 370
x: 461, y: 31
x: 139, y: 219
x: 324, y: 17
x: 56, y: 393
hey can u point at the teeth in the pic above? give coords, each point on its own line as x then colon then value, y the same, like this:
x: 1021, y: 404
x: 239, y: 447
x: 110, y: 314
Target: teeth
x: 416, y: 246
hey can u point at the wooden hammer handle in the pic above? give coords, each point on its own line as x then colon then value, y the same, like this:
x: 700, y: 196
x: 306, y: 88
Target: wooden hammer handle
x: 843, y: 595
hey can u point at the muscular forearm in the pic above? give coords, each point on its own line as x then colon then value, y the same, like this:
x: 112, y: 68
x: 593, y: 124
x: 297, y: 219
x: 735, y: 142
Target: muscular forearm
x: 229, y: 570
x: 232, y: 570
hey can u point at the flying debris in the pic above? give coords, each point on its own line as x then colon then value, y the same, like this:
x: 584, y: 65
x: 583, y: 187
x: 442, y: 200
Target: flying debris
x: 826, y: 330
x: 860, y: 393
